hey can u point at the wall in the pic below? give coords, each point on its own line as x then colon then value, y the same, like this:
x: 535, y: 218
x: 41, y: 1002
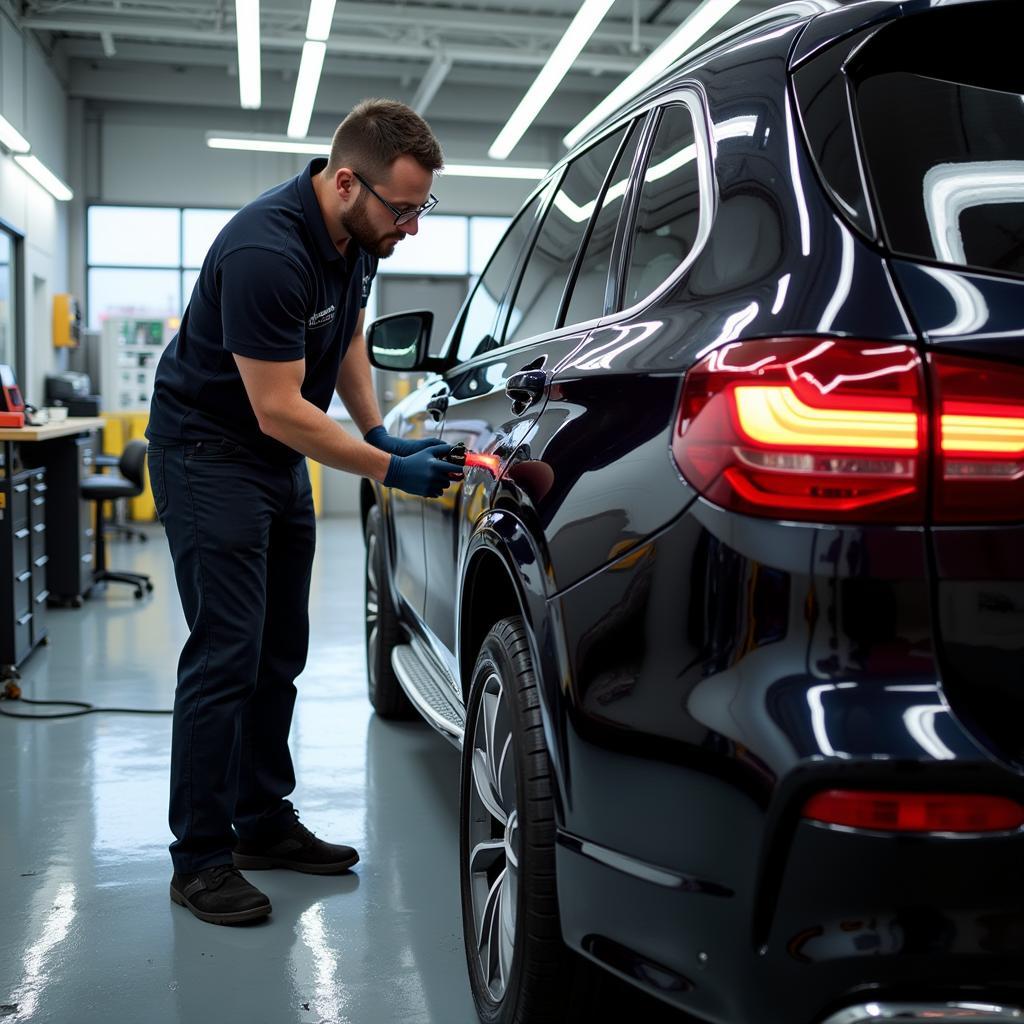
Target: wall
x: 33, y: 99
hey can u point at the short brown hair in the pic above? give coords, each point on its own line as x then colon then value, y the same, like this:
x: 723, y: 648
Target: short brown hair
x: 376, y: 133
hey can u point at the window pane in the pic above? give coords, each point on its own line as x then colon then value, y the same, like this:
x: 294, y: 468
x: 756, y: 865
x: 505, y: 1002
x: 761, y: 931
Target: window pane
x: 151, y: 293
x: 439, y: 247
x: 188, y: 282
x: 478, y: 324
x: 587, y: 300
x: 946, y: 159
x: 200, y: 228
x: 7, y: 291
x: 484, y: 235
x: 668, y: 216
x: 139, y: 236
x: 539, y: 296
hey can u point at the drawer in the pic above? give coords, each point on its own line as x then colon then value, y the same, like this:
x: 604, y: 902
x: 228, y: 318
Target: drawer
x: 22, y: 595
x: 37, y: 508
x: 20, y: 549
x: 39, y: 615
x: 22, y: 636
x: 19, y: 503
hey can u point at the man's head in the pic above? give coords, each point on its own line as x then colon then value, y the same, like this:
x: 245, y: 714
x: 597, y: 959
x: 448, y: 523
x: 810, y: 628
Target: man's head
x: 382, y: 165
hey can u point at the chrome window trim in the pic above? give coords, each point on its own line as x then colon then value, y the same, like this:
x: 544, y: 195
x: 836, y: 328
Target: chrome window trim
x: 691, y: 98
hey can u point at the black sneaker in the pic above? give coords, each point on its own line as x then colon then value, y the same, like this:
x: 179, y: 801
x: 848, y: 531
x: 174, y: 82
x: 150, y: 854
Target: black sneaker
x: 219, y: 895
x: 297, y: 849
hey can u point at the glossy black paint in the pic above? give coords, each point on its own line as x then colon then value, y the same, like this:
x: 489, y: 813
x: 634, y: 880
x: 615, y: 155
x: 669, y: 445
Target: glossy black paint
x: 703, y: 673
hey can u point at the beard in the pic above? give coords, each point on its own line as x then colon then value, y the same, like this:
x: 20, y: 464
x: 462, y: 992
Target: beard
x: 357, y: 226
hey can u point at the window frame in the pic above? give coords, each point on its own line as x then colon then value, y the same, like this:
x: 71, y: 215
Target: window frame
x: 687, y: 93
x: 641, y: 115
x: 178, y: 268
x: 17, y: 355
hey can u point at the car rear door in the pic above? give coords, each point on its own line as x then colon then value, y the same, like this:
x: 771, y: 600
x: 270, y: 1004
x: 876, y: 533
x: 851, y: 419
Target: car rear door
x: 554, y: 299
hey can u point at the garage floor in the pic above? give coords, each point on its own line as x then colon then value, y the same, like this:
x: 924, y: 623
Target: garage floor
x: 87, y: 933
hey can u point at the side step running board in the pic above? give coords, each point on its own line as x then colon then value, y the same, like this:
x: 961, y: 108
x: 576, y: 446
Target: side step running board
x: 419, y: 679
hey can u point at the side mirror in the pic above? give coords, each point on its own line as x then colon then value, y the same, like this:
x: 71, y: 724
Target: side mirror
x: 401, y: 341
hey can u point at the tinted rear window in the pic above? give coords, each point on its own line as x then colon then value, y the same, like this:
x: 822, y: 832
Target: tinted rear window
x: 941, y: 117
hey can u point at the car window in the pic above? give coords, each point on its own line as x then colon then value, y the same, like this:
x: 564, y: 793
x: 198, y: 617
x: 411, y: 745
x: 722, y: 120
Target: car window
x: 668, y: 212
x: 947, y: 162
x: 939, y: 109
x: 588, y: 291
x: 538, y: 298
x: 478, y: 332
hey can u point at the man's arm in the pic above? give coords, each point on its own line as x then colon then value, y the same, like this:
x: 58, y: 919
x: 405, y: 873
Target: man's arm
x: 275, y: 393
x: 355, y: 382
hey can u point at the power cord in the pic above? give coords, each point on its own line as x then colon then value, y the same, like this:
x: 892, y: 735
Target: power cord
x: 12, y: 692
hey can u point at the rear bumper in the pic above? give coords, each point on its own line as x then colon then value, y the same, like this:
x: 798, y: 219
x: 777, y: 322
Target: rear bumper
x: 858, y: 921
x: 960, y: 1013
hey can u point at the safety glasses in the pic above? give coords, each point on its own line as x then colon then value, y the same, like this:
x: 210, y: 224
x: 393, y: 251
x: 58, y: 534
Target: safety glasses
x: 401, y: 216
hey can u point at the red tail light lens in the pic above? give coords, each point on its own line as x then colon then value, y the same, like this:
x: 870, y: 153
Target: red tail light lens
x: 807, y: 428
x: 915, y: 812
x: 979, y: 440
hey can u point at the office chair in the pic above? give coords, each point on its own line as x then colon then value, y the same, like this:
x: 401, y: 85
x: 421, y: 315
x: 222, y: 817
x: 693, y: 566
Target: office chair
x: 118, y: 525
x: 107, y: 487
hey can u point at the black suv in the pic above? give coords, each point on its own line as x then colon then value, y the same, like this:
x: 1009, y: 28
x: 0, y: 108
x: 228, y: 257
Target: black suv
x: 727, y: 616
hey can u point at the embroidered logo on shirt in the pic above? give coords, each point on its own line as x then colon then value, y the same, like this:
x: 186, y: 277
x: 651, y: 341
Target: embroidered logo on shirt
x: 321, y: 319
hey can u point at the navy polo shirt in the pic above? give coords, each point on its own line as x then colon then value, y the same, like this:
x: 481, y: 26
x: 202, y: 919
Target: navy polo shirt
x: 273, y: 286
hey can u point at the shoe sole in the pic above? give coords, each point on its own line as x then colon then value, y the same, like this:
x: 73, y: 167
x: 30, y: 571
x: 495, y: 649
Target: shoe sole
x: 248, y: 862
x: 238, y: 917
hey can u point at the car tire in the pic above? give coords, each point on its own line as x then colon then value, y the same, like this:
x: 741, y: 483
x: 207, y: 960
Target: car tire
x: 383, y: 631
x: 508, y: 867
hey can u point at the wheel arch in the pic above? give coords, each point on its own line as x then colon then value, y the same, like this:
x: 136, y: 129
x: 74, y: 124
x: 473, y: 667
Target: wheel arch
x: 505, y: 573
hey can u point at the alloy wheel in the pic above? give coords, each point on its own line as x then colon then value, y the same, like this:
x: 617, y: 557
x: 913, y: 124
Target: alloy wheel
x: 494, y: 837
x: 372, y: 609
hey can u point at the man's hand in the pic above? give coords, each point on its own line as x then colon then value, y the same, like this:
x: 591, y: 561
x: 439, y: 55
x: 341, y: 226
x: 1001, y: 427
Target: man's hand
x: 386, y: 442
x: 422, y: 473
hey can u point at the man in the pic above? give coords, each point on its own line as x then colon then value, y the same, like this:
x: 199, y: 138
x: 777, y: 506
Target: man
x: 274, y: 325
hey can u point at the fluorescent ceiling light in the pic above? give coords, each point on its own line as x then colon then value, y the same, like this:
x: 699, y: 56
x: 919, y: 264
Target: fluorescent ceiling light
x: 321, y: 17
x: 247, y: 27
x: 306, y: 86
x: 270, y: 144
x: 37, y: 169
x: 494, y: 171
x: 580, y: 29
x: 697, y: 25
x: 322, y: 147
x: 12, y: 138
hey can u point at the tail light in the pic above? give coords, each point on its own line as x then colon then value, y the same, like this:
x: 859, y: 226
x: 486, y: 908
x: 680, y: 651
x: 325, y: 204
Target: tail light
x: 915, y: 812
x: 979, y: 440
x: 807, y: 428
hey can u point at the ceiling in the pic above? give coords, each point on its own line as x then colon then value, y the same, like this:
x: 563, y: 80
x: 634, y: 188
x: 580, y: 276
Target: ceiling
x: 465, y: 64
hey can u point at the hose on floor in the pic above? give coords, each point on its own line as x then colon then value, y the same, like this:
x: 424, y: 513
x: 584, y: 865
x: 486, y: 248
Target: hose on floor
x: 12, y: 692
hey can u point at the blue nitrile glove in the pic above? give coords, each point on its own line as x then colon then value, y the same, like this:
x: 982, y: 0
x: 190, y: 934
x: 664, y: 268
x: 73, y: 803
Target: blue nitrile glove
x: 381, y: 439
x: 422, y: 473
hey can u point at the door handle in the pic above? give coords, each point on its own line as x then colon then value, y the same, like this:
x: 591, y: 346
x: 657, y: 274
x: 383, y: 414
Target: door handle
x: 525, y: 388
x: 438, y: 405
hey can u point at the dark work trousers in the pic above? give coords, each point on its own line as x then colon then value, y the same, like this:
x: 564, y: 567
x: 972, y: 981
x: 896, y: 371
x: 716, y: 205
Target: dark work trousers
x: 242, y: 535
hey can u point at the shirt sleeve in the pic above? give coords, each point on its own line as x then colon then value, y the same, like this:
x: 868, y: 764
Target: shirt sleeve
x: 369, y: 273
x: 263, y: 301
